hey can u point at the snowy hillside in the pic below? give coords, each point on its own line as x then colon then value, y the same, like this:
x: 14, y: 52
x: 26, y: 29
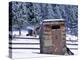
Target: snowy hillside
x: 23, y: 47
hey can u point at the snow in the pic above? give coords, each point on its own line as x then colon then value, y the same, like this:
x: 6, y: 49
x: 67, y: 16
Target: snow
x: 24, y: 36
x: 31, y: 27
x: 30, y: 53
x: 71, y: 46
x: 72, y: 42
x: 15, y: 33
x: 25, y: 50
x: 71, y: 37
x: 53, y: 20
x: 25, y: 41
x: 27, y: 46
x: 23, y: 32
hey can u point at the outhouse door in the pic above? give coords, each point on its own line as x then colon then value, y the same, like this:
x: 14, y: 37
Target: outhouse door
x: 56, y: 40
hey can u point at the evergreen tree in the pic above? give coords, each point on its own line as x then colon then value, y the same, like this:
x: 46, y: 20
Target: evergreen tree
x: 22, y: 14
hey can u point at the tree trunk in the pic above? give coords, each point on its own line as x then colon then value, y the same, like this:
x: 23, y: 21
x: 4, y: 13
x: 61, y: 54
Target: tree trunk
x: 19, y: 32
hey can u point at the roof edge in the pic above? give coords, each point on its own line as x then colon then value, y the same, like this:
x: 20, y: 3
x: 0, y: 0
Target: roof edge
x: 46, y: 20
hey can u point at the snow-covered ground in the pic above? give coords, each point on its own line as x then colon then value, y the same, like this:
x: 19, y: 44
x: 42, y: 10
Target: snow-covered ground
x: 71, y: 37
x: 71, y: 42
x: 25, y: 55
x: 23, y: 32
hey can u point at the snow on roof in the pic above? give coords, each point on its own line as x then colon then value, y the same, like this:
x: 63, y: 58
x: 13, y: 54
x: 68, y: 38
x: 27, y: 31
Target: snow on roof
x: 47, y: 20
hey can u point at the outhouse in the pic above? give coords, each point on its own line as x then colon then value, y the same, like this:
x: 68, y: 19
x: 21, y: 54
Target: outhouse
x: 52, y: 36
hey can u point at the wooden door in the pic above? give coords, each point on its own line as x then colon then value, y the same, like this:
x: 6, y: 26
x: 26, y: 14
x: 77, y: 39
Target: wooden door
x: 57, y: 41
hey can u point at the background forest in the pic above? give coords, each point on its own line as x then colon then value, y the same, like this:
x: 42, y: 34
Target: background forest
x: 23, y: 14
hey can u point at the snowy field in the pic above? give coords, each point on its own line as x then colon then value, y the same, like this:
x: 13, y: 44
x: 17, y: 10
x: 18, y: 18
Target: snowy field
x: 23, y: 32
x: 31, y: 47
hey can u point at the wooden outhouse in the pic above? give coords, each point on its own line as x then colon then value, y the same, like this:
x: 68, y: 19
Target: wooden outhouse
x: 52, y: 36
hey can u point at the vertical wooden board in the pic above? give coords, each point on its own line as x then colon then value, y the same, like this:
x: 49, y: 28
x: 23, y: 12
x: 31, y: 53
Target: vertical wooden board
x: 63, y: 33
x: 47, y: 43
x: 62, y: 26
x: 57, y: 41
